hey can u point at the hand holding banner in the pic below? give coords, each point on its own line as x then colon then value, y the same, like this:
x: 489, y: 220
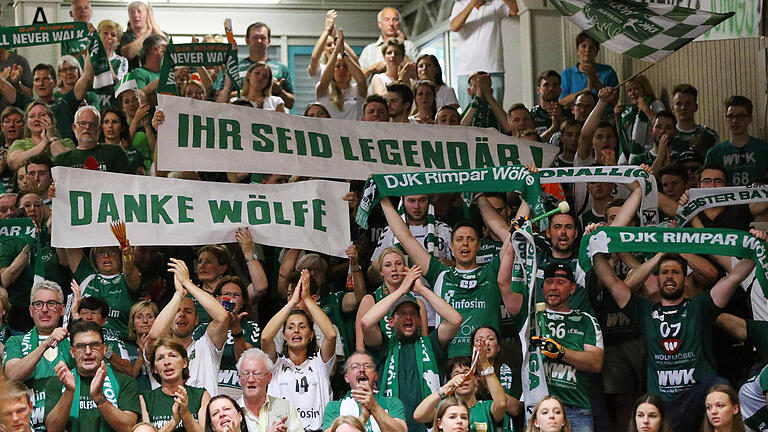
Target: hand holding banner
x: 307, y: 215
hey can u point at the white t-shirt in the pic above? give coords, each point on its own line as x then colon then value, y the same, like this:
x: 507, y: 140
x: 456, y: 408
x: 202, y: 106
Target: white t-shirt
x: 306, y: 386
x: 480, y: 46
x: 353, y: 104
x: 318, y: 75
x: 272, y: 102
x: 383, y: 78
x: 204, y: 363
x: 445, y: 96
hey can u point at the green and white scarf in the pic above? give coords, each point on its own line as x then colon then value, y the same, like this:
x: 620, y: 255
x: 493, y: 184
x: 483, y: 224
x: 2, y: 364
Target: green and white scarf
x: 493, y: 179
x: 102, y: 75
x: 41, y: 34
x: 524, y: 273
x: 425, y: 364
x: 649, y: 207
x: 29, y: 342
x: 196, y: 54
x: 431, y: 239
x: 724, y: 242
x: 110, y: 389
x: 701, y: 199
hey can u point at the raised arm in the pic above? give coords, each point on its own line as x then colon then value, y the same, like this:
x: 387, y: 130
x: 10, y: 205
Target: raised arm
x: 351, y: 301
x: 629, y: 209
x: 259, y: 282
x: 725, y: 287
x: 22, y: 369
x: 733, y: 325
x: 276, y: 323
x: 451, y: 318
x: 590, y: 126
x: 370, y: 321
x: 317, y: 51
x: 164, y: 320
x: 416, y: 252
x: 619, y: 290
x: 84, y: 83
x: 130, y: 271
x: 217, y: 329
x: 328, y: 347
x: 459, y: 20
x: 327, y: 76
x: 286, y: 272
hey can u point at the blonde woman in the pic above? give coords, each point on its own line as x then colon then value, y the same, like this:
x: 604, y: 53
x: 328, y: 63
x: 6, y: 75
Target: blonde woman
x: 342, y: 87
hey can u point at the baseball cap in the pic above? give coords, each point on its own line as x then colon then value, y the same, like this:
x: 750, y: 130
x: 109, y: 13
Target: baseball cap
x: 559, y: 270
x: 404, y: 299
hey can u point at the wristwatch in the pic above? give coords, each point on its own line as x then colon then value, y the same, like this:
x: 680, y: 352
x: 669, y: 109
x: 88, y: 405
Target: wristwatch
x: 487, y: 371
x: 101, y: 400
x: 108, y: 355
x: 441, y: 393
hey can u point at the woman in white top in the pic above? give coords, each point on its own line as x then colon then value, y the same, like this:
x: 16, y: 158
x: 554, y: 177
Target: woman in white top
x: 337, y: 91
x: 324, y: 48
x: 257, y: 88
x: 302, y: 372
x: 428, y: 68
x: 394, y: 53
x: 424, y: 106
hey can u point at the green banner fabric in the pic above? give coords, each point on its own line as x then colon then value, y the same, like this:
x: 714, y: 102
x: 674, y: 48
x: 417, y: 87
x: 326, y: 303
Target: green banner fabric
x: 16, y: 227
x: 493, y: 179
x: 677, y: 240
x: 196, y: 54
x: 640, y: 30
x: 102, y: 75
x: 700, y: 199
x: 41, y: 34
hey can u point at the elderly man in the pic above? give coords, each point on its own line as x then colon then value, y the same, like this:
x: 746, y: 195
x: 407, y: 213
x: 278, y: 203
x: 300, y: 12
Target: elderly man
x: 15, y: 407
x: 179, y: 318
x: 106, y: 400
x: 31, y: 358
x: 263, y: 412
x: 372, y: 59
x: 8, y: 204
x: 80, y: 11
x: 376, y: 411
x: 89, y: 154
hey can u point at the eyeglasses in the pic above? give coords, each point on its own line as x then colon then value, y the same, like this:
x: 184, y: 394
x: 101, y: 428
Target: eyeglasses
x: 81, y: 348
x: 716, y: 181
x: 365, y: 366
x: 89, y: 125
x: 38, y: 305
x: 739, y: 117
x: 253, y: 374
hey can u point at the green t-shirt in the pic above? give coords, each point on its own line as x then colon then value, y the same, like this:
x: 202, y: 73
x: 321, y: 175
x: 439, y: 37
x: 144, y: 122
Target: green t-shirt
x: 331, y: 304
x: 489, y: 248
x: 17, y: 347
x: 678, y: 342
x: 63, y: 108
x: 91, y: 98
x: 473, y: 293
x: 408, y: 379
x: 25, y: 144
x: 480, y: 417
x: 743, y: 165
x: 135, y: 158
x: 574, y: 330
x: 111, y: 289
x: 512, y: 386
x: 391, y: 405
x: 228, y: 369
x: 103, y: 157
x: 142, y: 381
x: 141, y: 142
x: 90, y: 418
x: 144, y: 76
x: 160, y: 406
x: 643, y: 158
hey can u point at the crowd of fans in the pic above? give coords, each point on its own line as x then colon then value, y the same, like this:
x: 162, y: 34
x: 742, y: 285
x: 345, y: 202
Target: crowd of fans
x: 418, y: 328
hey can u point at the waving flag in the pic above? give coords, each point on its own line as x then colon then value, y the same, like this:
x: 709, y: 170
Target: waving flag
x: 648, y: 32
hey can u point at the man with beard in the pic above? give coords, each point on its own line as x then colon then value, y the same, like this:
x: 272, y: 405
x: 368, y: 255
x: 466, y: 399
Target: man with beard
x: 548, y: 114
x: 573, y: 345
x: 677, y: 333
x: 409, y: 363
x: 399, y: 102
x: 91, y: 397
x: 89, y: 154
x: 180, y: 317
x: 376, y: 411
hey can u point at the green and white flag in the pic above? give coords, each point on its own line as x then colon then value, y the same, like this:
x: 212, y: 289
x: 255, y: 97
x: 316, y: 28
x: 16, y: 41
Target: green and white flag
x: 645, y: 31
x: 102, y: 74
x: 17, y: 227
x: 158, y: 211
x: 701, y: 199
x: 649, y: 207
x: 495, y: 179
x: 128, y: 83
x: 701, y: 241
x: 196, y: 54
x: 41, y: 34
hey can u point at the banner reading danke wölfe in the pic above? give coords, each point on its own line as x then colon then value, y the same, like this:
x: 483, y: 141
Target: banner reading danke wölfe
x: 207, y: 136
x: 307, y: 215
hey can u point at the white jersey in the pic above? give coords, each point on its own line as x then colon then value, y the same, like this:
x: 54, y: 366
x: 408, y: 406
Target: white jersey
x: 307, y: 387
x: 419, y: 232
x: 204, y: 362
